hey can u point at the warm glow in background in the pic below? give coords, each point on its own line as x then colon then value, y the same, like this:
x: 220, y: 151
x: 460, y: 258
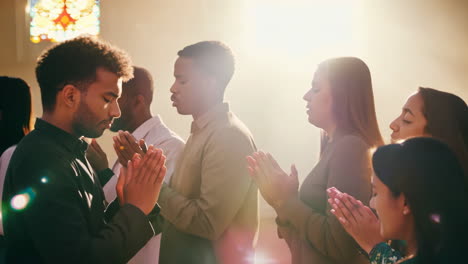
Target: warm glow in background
x: 277, y: 43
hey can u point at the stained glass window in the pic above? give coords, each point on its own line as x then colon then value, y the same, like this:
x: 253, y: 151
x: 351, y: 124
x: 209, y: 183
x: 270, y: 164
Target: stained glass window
x: 59, y: 20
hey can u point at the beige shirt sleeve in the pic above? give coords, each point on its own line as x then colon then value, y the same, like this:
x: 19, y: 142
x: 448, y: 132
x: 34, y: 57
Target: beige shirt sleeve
x: 225, y: 183
x: 349, y: 171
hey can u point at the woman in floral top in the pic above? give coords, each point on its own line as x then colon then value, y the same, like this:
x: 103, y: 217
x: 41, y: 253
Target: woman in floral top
x: 420, y: 194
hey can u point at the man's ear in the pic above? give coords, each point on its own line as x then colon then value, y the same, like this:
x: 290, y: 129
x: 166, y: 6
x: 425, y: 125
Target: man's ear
x: 70, y: 96
x: 139, y: 100
x: 213, y: 84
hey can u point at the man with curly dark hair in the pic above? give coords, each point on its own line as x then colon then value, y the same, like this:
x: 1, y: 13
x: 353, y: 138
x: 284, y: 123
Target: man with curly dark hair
x: 55, y: 209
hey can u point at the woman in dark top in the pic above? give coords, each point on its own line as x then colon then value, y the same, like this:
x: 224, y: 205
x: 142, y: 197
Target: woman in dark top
x: 341, y: 103
x: 429, y: 113
x: 421, y: 196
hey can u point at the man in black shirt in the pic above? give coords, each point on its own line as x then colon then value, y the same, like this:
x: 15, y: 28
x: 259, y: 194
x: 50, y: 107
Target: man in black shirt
x: 53, y: 204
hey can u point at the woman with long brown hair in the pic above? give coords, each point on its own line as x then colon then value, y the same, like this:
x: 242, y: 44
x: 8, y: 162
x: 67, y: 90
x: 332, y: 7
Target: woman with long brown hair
x: 341, y: 103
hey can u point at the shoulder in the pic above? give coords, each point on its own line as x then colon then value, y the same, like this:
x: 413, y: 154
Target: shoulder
x: 232, y: 127
x: 38, y: 153
x: 229, y: 134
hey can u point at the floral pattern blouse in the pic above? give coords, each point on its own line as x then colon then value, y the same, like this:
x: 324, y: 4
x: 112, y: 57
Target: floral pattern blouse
x: 382, y: 253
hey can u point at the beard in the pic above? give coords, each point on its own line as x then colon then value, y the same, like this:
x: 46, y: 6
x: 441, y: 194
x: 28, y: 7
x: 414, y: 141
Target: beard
x: 85, y: 123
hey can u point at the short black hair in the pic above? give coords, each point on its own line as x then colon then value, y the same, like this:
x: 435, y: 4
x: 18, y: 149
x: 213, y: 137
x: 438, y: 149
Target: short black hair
x: 141, y: 84
x: 214, y: 58
x: 75, y: 62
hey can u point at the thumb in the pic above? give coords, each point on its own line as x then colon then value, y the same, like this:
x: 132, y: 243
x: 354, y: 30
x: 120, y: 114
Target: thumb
x: 294, y: 173
x: 142, y: 144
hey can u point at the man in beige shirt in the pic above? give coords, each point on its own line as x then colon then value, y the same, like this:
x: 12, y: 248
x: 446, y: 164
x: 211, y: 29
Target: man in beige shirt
x: 210, y: 207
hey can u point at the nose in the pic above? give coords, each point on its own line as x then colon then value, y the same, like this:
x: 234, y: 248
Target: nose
x: 306, y: 96
x: 173, y: 88
x: 394, y: 125
x: 114, y: 110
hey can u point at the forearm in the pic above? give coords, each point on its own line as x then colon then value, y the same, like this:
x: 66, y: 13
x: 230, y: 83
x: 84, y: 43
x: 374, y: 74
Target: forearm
x: 193, y: 215
x: 321, y: 230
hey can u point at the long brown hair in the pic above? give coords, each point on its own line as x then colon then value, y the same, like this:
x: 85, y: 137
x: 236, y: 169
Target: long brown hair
x: 447, y: 120
x: 353, y: 99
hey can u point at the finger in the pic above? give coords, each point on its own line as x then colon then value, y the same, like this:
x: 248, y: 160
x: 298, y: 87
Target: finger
x: 120, y: 149
x: 251, y: 167
x: 119, y: 156
x: 335, y: 207
x: 273, y: 162
x: 150, y: 147
x: 154, y: 165
x: 125, y: 145
x: 122, y: 176
x: 157, y: 172
x: 294, y: 170
x: 121, y: 179
x: 336, y: 214
x: 344, y: 222
x: 136, y: 160
x: 251, y: 161
x: 341, y: 219
x: 126, y: 140
x: 148, y: 168
x: 260, y: 168
x: 143, y: 146
x: 261, y: 162
x: 132, y: 142
x: 352, y: 205
x: 294, y: 175
x: 347, y: 214
x: 161, y: 175
x: 272, y: 168
x: 117, y: 138
x: 146, y: 164
x: 332, y: 192
x: 129, y: 175
x: 369, y: 212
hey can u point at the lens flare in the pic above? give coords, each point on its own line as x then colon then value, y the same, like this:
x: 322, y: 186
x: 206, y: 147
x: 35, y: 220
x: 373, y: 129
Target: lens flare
x: 20, y: 201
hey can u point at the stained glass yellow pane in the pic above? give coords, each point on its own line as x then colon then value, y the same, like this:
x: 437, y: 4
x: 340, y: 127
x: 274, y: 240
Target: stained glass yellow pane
x: 59, y: 20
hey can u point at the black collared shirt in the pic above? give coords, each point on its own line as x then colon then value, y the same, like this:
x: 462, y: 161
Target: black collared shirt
x: 54, y: 208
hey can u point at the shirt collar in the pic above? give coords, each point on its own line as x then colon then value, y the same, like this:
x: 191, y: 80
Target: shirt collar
x: 144, y: 128
x: 70, y: 142
x: 209, y: 116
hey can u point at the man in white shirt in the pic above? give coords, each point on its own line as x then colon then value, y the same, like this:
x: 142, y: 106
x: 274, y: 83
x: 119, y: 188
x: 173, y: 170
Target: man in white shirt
x: 136, y: 118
